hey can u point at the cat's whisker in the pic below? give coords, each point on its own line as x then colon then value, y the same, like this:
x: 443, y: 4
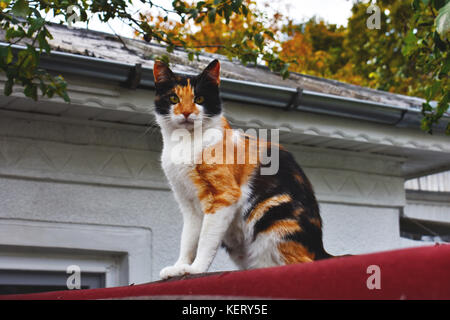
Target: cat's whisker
x: 150, y: 126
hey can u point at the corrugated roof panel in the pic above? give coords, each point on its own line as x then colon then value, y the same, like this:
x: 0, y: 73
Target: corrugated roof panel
x: 436, y: 182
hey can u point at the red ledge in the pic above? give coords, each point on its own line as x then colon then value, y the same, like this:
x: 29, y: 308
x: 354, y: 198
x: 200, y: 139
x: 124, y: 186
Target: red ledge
x: 414, y: 273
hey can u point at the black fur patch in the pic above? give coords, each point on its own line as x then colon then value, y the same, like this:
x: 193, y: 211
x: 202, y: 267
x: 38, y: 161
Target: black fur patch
x: 302, y: 194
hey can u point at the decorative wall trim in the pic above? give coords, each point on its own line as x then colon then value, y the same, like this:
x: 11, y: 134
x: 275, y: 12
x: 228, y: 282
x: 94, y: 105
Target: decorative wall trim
x: 80, y: 163
x: 340, y: 186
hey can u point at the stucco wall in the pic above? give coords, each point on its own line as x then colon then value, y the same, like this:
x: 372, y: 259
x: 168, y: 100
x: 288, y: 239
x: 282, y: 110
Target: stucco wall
x: 87, y: 173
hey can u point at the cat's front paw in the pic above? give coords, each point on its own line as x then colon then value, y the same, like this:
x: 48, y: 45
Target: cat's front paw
x: 178, y: 270
x: 169, y: 272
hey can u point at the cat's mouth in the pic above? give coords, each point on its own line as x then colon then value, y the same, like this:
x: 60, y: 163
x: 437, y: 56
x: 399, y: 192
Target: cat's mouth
x: 187, y: 123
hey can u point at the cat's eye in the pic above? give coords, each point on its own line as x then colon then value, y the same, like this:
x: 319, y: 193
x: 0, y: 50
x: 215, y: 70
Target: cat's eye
x: 199, y: 99
x: 174, y: 99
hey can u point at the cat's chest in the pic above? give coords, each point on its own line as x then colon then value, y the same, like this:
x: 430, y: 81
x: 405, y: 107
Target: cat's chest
x: 178, y: 172
x: 181, y: 156
x: 175, y: 170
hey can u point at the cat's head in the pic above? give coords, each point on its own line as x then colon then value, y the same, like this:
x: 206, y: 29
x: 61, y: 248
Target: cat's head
x: 182, y: 101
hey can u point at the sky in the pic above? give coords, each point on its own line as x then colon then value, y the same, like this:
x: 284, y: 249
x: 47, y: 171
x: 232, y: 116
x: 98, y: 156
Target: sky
x: 332, y: 11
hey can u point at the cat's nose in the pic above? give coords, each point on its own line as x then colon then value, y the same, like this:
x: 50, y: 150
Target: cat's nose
x: 186, y: 114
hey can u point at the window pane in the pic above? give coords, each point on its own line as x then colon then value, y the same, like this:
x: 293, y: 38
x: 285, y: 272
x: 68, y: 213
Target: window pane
x: 18, y: 281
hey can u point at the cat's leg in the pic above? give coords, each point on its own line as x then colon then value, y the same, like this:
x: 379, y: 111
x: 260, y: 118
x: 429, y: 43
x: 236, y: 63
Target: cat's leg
x: 214, y: 227
x: 192, y: 223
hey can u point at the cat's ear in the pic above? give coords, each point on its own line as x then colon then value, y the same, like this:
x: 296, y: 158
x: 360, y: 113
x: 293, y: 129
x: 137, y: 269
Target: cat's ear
x: 161, y: 72
x: 212, y: 72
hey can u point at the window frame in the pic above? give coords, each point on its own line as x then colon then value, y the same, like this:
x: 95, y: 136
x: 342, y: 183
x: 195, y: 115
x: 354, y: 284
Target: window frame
x: 124, y: 254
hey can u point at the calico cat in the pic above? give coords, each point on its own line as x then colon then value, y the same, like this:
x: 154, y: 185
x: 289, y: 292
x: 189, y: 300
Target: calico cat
x: 261, y: 220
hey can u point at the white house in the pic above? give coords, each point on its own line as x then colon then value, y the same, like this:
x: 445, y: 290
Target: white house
x: 81, y: 184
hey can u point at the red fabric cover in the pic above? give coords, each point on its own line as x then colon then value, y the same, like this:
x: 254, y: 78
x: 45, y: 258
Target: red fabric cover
x: 414, y: 273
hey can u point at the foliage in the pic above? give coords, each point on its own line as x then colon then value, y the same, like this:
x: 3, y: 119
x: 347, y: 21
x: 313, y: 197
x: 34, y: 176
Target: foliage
x: 21, y: 21
x: 406, y: 55
x: 428, y: 47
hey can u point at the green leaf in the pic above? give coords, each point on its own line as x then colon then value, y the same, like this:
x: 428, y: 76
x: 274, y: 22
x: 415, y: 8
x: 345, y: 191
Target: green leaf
x: 445, y: 70
x: 244, y: 10
x: 441, y: 45
x: 20, y: 8
x: 65, y: 96
x: 35, y: 25
x: 443, y: 21
x: 6, y: 54
x: 227, y: 13
x: 31, y: 91
x: 14, y: 33
x: 259, y: 40
x: 212, y: 15
x: 9, y: 55
x: 236, y: 4
x: 410, y: 43
x: 43, y: 43
x: 433, y: 90
x: 8, y: 87
x: 200, y: 4
x: 438, y: 4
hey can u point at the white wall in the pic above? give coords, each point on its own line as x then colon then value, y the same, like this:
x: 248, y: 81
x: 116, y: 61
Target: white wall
x: 354, y: 229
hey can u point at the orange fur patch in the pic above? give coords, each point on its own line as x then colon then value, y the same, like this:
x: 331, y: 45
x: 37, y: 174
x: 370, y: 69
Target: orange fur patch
x: 316, y: 222
x: 219, y: 183
x: 297, y: 212
x: 216, y: 186
x: 284, y: 227
x: 265, y: 205
x: 186, y: 96
x: 294, y: 252
x: 299, y: 178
